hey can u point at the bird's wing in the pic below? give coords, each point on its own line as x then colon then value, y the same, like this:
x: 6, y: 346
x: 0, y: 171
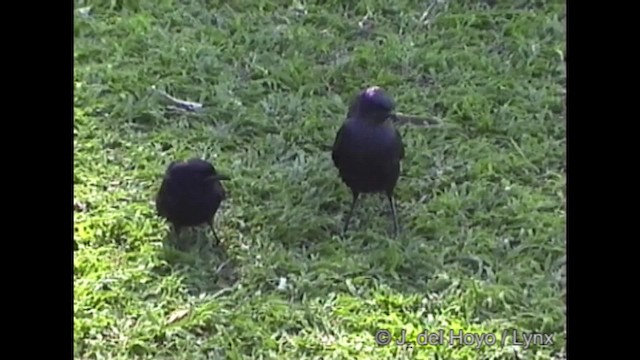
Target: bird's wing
x: 337, y: 145
x: 219, y: 190
x: 162, y: 198
x: 163, y: 193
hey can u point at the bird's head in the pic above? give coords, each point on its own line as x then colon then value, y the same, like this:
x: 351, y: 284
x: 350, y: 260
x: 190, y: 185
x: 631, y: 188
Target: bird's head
x: 373, y: 104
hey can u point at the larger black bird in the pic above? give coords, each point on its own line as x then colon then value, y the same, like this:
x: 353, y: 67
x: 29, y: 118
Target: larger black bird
x: 368, y: 149
x: 190, y: 194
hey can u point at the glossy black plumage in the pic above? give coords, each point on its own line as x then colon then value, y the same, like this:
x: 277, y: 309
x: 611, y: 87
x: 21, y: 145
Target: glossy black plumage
x: 368, y: 149
x: 190, y: 194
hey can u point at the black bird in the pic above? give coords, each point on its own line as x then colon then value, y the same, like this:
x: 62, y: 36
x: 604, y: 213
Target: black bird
x: 190, y: 194
x: 368, y: 149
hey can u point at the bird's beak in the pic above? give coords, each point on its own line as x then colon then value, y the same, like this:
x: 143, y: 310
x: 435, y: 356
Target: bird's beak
x: 219, y: 177
x: 393, y: 117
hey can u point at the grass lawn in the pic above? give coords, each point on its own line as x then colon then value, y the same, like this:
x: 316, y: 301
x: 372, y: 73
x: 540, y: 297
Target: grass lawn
x: 480, y: 199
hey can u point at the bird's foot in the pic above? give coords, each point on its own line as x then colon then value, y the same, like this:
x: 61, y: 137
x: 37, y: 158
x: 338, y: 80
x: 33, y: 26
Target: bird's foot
x: 395, y: 230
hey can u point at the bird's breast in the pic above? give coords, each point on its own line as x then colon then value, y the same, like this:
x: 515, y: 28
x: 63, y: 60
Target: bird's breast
x: 368, y: 139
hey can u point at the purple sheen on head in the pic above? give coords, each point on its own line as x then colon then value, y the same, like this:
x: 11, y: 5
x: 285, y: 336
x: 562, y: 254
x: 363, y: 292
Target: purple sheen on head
x: 374, y: 97
x: 372, y: 91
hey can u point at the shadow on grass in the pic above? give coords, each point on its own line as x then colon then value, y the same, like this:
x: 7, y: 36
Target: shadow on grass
x: 204, y: 266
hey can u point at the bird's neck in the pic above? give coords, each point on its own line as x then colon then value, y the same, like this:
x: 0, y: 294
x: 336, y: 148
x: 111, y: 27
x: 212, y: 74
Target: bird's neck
x: 362, y: 122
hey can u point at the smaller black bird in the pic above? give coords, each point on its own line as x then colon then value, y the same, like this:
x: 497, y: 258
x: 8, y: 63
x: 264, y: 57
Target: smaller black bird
x: 190, y: 195
x: 368, y: 149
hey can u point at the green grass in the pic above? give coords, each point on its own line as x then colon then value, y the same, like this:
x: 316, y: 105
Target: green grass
x: 480, y: 200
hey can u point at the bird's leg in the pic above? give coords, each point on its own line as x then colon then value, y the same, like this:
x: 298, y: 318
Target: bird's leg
x: 396, y: 227
x: 353, y: 206
x: 215, y: 236
x: 176, y: 231
x: 385, y: 209
x: 178, y: 241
